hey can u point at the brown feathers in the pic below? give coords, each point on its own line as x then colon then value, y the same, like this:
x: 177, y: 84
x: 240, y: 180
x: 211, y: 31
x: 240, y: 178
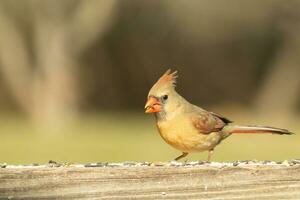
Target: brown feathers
x: 206, y: 123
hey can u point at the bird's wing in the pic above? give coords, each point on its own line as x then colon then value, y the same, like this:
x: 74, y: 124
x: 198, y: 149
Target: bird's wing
x: 224, y: 119
x: 206, y: 122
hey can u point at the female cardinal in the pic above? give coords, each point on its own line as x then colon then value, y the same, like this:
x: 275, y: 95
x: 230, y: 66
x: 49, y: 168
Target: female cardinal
x: 190, y: 128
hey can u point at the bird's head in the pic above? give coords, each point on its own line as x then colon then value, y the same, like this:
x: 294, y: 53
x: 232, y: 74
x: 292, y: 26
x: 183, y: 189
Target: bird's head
x: 162, y: 94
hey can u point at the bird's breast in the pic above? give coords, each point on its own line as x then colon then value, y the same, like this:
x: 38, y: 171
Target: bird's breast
x: 182, y: 135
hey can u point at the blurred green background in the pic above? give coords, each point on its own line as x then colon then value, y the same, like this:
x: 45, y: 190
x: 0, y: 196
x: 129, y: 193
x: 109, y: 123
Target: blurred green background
x: 75, y: 74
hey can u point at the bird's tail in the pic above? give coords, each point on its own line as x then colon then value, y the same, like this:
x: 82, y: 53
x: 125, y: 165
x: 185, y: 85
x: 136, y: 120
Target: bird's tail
x: 237, y: 129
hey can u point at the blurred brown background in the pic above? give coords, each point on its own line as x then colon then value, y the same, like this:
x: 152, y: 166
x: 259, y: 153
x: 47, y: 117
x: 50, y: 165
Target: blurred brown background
x: 75, y: 75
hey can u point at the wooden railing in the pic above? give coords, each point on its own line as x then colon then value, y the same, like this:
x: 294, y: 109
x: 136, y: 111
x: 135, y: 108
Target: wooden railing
x: 192, y: 180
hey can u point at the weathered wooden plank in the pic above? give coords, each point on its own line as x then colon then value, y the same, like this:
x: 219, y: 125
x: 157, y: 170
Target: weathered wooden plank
x: 141, y: 181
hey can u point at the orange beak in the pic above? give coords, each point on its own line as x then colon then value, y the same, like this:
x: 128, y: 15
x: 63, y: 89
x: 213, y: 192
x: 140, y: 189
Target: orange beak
x: 152, y: 105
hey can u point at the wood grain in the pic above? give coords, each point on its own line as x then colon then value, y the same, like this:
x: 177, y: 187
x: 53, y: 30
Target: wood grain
x: 199, y: 181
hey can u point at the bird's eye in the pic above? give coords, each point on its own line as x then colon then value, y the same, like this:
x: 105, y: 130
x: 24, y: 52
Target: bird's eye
x: 165, y: 97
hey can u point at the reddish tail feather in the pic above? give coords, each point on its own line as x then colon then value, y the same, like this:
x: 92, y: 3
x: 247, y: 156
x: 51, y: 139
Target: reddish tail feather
x: 257, y: 129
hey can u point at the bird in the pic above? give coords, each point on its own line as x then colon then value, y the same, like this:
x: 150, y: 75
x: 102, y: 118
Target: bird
x: 189, y: 128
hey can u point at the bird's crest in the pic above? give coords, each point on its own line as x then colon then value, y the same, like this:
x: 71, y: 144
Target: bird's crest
x: 167, y: 80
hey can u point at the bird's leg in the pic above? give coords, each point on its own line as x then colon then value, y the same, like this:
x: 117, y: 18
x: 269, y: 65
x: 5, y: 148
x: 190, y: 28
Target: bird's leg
x: 210, y: 153
x: 185, y: 161
x: 184, y: 154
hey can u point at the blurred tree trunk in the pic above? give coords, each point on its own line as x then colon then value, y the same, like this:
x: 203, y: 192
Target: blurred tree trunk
x: 45, y: 83
x: 280, y: 92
